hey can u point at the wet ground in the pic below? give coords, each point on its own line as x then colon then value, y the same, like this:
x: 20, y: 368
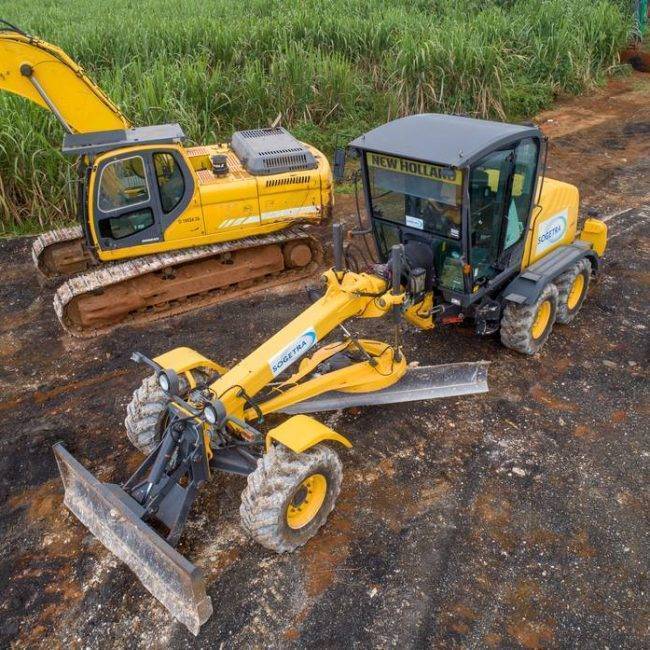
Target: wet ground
x: 512, y: 519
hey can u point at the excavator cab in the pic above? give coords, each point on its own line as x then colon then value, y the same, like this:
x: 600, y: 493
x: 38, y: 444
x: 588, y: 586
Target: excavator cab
x: 136, y: 195
x: 181, y: 226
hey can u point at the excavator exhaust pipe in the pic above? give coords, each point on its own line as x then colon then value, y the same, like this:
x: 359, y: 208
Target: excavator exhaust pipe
x: 111, y: 515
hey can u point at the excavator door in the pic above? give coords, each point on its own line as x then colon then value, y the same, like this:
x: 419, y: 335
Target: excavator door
x: 137, y: 194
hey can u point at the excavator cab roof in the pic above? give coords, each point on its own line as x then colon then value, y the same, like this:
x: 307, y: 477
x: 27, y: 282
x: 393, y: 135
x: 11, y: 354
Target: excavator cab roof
x: 449, y: 140
x: 79, y: 144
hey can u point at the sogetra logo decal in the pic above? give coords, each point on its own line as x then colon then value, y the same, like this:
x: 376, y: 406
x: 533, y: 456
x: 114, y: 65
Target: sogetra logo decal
x: 292, y: 352
x: 552, y: 230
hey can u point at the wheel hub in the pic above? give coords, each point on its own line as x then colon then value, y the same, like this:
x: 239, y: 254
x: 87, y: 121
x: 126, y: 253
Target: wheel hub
x: 306, y: 501
x: 541, y: 319
x: 576, y: 291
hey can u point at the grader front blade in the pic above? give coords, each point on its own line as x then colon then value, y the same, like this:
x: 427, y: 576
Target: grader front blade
x: 112, y: 516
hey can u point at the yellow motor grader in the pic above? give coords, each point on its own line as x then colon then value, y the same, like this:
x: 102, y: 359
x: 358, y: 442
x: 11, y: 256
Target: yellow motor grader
x: 193, y: 417
x: 467, y: 228
x: 164, y: 228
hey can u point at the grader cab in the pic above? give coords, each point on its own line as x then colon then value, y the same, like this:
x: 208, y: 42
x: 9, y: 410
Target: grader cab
x: 471, y: 204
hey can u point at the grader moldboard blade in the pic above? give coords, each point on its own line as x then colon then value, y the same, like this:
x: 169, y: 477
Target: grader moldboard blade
x: 112, y: 516
x: 419, y: 383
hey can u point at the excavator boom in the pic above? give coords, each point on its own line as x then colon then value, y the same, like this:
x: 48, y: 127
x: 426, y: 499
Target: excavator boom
x: 46, y: 75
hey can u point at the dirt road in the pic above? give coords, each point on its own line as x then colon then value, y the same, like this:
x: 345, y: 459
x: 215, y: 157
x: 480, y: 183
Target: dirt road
x: 513, y: 519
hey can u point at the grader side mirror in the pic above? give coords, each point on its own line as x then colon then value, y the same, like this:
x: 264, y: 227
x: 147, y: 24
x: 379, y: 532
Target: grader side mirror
x: 339, y: 164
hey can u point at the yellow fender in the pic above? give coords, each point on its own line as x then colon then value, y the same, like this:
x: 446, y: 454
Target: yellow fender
x: 301, y: 432
x: 182, y: 360
x: 594, y: 231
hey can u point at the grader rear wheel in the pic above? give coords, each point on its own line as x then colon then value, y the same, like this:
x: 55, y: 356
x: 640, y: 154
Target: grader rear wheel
x: 289, y: 496
x: 572, y: 288
x: 525, y: 328
x: 146, y: 412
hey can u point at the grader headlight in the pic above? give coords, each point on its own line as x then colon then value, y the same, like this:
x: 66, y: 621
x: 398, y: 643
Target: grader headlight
x: 210, y: 414
x: 214, y: 412
x: 168, y: 381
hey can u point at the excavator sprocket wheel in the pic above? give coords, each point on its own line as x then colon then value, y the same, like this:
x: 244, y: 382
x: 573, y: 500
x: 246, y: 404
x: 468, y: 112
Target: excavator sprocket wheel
x: 146, y: 412
x: 289, y: 496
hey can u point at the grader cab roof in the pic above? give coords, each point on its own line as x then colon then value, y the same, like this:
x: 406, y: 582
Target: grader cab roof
x: 448, y: 140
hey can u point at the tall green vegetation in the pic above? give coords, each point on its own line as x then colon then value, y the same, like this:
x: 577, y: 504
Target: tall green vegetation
x: 332, y: 68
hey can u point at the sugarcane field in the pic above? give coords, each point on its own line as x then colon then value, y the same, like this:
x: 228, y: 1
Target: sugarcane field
x: 324, y: 324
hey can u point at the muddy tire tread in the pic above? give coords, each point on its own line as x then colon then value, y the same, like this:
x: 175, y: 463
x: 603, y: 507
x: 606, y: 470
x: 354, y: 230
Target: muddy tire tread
x: 517, y: 322
x: 277, y: 474
x: 145, y: 410
x: 564, y: 283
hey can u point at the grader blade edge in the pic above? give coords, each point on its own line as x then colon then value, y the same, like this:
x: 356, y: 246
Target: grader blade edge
x: 419, y: 383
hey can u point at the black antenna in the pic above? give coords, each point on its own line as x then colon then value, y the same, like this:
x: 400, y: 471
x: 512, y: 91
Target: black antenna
x: 10, y: 28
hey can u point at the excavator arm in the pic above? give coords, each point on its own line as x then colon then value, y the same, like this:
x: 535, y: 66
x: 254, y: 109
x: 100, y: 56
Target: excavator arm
x: 47, y: 76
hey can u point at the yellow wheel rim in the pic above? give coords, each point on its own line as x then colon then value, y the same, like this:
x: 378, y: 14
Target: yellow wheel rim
x: 575, y: 293
x: 306, y: 501
x: 541, y: 319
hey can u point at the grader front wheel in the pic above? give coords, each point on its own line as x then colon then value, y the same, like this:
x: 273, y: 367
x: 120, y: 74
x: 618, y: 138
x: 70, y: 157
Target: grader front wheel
x: 145, y: 413
x: 289, y: 496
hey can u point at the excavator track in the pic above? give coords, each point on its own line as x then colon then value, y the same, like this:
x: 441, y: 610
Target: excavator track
x: 60, y: 252
x: 150, y: 288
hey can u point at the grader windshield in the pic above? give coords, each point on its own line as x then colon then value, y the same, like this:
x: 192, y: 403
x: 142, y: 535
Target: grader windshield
x: 422, y: 197
x: 417, y: 195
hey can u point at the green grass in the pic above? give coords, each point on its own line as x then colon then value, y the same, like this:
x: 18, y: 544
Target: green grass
x: 332, y: 68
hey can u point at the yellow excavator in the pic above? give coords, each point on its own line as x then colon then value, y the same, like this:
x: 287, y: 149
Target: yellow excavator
x: 164, y: 228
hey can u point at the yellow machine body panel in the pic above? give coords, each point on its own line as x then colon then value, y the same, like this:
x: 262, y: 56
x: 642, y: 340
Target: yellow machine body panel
x: 301, y: 432
x: 554, y: 220
x: 347, y: 297
x: 79, y: 102
x: 594, y: 231
x: 182, y: 360
x: 229, y: 206
x: 241, y: 203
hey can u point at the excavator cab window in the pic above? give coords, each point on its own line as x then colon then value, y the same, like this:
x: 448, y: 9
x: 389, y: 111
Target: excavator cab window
x: 127, y: 224
x: 170, y: 181
x: 123, y: 183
